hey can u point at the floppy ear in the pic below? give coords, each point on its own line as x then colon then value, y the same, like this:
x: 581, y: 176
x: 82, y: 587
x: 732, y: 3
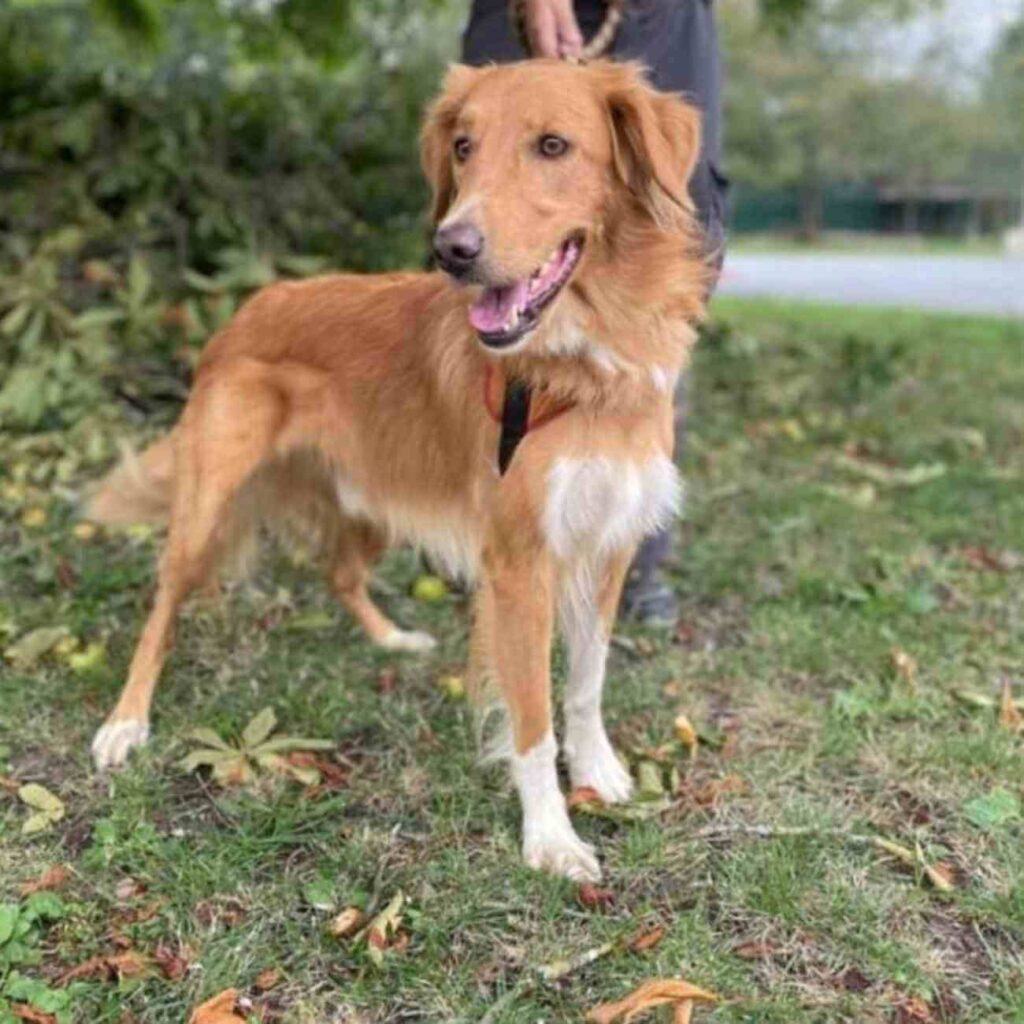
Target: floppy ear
x: 436, y: 136
x: 655, y: 141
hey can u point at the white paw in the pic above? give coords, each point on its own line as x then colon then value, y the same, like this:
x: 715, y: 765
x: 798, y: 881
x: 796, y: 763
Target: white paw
x: 114, y: 740
x: 558, y: 850
x: 594, y: 763
x: 408, y: 640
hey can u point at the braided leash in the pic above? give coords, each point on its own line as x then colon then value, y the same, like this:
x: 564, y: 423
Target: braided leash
x: 603, y: 37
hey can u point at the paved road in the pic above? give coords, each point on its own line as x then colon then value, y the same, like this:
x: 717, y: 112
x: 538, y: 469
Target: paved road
x: 964, y: 284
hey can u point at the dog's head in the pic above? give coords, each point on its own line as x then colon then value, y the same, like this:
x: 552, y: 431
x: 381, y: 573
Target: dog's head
x: 527, y: 162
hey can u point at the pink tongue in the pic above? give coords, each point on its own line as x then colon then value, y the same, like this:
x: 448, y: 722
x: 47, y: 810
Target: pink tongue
x: 493, y: 310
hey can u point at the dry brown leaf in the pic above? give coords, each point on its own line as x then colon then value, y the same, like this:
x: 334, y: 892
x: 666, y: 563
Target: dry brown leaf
x: 1009, y: 717
x: 128, y: 889
x: 648, y: 939
x: 173, y: 965
x: 111, y: 967
x: 650, y: 994
x: 594, y: 898
x: 904, y: 665
x: 985, y: 559
x: 25, y: 1012
x: 941, y: 875
x: 755, y: 950
x: 268, y: 979
x: 52, y: 878
x: 11, y: 785
x: 583, y: 795
x: 912, y: 1010
x: 221, y: 1009
x: 347, y: 923
x: 709, y: 794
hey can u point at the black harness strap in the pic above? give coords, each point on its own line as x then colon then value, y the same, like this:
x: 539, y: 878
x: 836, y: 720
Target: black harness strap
x: 515, y: 421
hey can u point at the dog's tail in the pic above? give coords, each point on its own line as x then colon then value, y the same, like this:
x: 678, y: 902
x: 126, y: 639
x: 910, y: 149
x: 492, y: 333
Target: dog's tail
x: 139, y: 489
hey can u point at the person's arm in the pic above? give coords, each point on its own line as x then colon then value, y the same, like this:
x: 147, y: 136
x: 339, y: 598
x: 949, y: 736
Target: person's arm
x: 551, y: 28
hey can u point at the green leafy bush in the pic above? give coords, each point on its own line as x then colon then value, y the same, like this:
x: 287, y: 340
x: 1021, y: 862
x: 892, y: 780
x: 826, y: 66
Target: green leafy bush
x: 162, y: 160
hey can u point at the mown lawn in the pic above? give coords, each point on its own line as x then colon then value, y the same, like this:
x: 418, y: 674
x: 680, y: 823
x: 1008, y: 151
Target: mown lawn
x: 852, y: 564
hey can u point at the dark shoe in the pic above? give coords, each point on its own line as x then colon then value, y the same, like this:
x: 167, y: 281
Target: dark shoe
x: 649, y: 601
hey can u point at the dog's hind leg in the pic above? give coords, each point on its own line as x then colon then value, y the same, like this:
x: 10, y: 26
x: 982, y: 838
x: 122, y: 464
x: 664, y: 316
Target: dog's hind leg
x: 587, y: 607
x: 226, y: 432
x: 357, y: 547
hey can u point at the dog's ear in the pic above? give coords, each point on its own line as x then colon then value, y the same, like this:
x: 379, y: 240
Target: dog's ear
x: 655, y: 141
x: 436, y: 136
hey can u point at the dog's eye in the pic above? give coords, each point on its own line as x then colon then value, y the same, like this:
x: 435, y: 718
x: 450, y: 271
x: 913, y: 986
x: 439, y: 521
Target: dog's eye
x: 462, y: 147
x: 552, y: 145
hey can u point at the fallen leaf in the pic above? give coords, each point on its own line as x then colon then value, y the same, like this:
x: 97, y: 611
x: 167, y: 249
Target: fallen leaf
x: 128, y: 889
x: 853, y: 980
x: 582, y: 795
x: 32, y: 646
x: 347, y: 923
x: 221, y: 1009
x: 111, y: 967
x: 650, y: 994
x: 594, y: 898
x: 25, y: 1012
x: 904, y: 665
x: 1009, y: 717
x: 51, y: 879
x: 986, y: 560
x: 48, y: 808
x: 755, y: 950
x: 649, y: 781
x: 173, y: 965
x: 89, y: 659
x: 383, y: 930
x: 912, y: 1010
x: 268, y: 979
x: 941, y: 875
x: 709, y: 793
x: 861, y: 496
x: 889, y: 476
x: 648, y: 939
x: 686, y: 734
x: 259, y: 728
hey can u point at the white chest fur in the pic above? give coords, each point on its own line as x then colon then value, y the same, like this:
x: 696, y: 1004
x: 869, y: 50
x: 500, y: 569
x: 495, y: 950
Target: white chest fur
x: 599, y: 505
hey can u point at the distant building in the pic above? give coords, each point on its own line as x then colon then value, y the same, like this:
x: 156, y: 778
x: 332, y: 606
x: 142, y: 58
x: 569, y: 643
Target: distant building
x: 949, y: 209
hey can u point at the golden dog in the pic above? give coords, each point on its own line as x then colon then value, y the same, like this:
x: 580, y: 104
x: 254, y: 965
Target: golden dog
x: 367, y: 406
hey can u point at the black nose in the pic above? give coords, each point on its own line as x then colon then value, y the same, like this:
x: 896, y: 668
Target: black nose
x: 457, y: 246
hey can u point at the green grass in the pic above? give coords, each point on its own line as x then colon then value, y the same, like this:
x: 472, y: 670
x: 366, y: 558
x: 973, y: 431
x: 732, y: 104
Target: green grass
x: 799, y: 575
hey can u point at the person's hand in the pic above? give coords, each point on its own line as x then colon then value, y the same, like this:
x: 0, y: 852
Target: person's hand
x: 552, y: 29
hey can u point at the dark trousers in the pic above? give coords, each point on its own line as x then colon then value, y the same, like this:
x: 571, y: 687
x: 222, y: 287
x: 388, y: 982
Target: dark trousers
x: 677, y: 41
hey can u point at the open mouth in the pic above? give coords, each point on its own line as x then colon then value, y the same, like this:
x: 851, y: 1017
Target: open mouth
x: 502, y: 315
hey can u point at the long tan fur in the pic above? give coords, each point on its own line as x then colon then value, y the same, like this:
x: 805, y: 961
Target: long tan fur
x: 354, y: 404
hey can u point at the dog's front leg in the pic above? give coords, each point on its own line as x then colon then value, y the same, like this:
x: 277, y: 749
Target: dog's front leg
x: 587, y: 606
x: 521, y: 604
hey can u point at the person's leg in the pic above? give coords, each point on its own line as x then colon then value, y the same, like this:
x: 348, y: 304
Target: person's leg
x: 678, y: 42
